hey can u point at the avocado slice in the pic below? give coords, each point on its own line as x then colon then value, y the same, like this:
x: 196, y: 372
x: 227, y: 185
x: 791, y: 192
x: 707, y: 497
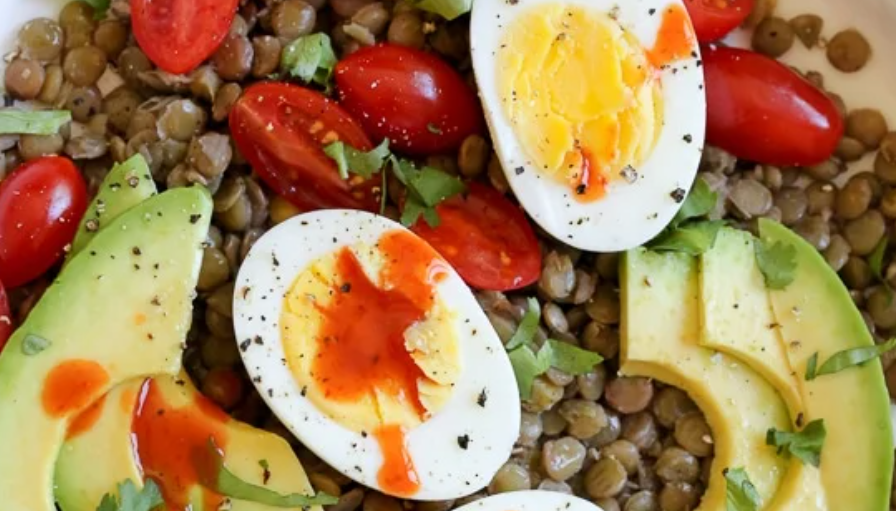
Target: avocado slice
x: 79, y: 488
x: 817, y: 315
x: 128, y: 183
x: 737, y: 317
x: 740, y: 406
x: 119, y: 310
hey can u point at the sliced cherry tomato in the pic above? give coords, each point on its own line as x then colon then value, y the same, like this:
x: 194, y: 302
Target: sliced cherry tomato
x: 5, y: 318
x: 410, y: 96
x: 714, y: 19
x: 486, y: 238
x: 760, y: 110
x: 178, y: 35
x: 41, y: 204
x: 282, y: 129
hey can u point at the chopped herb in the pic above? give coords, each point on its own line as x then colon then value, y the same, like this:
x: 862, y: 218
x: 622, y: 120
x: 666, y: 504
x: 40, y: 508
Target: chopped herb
x: 32, y: 345
x: 99, y: 8
x: 310, y: 58
x: 527, y: 366
x: 741, y: 495
x: 36, y: 122
x: 365, y: 164
x: 776, y: 262
x: 805, y: 445
x: 699, y: 202
x: 427, y: 188
x: 876, y: 262
x: 525, y: 332
x: 448, y: 9
x: 572, y: 359
x: 850, y: 358
x: 226, y: 483
x: 129, y: 499
x: 693, y: 238
x: 812, y: 367
x: 433, y: 128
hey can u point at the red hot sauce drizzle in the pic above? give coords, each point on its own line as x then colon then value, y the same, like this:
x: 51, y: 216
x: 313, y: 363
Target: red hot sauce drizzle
x: 172, y: 446
x: 361, y: 346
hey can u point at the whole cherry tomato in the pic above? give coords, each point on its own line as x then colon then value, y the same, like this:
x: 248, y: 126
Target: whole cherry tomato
x: 760, y: 110
x: 486, y: 238
x: 41, y: 204
x: 5, y: 318
x: 282, y: 129
x: 178, y: 35
x: 410, y: 96
x: 714, y: 19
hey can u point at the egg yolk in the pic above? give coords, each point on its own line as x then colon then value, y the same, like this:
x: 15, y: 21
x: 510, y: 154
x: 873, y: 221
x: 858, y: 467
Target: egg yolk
x: 581, y: 94
x: 368, y: 339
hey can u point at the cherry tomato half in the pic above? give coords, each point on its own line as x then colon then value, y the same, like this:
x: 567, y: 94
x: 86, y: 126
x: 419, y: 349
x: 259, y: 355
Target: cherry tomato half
x: 41, y: 204
x: 410, y: 96
x: 486, y: 238
x: 178, y: 35
x: 760, y: 110
x: 5, y: 318
x: 282, y: 129
x: 714, y: 19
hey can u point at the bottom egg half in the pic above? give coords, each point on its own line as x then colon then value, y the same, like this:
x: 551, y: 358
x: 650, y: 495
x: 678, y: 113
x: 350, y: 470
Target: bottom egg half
x: 372, y: 351
x: 531, y: 500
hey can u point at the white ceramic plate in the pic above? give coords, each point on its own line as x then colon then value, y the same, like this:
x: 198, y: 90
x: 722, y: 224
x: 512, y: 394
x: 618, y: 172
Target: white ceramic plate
x: 871, y: 87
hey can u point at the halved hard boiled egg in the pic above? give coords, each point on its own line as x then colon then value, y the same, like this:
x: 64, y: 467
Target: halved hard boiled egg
x: 531, y: 500
x: 597, y: 112
x: 369, y: 347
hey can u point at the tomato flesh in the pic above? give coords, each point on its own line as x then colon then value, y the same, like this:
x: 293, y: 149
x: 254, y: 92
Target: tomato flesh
x: 413, y: 98
x: 41, y: 204
x: 760, y: 110
x: 281, y: 130
x: 178, y: 35
x: 5, y: 318
x: 714, y: 19
x: 486, y: 238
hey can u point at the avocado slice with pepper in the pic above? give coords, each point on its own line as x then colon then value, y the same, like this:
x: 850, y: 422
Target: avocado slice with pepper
x: 159, y: 426
x: 119, y: 310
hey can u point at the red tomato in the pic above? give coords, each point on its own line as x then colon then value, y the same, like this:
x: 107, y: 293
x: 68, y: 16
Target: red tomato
x: 281, y: 129
x: 760, y: 110
x: 410, y: 96
x: 486, y: 239
x: 41, y: 204
x: 5, y: 318
x: 178, y: 35
x: 714, y: 19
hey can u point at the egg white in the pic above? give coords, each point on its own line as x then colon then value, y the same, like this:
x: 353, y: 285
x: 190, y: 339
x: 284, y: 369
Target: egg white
x: 446, y: 471
x: 630, y: 214
x: 531, y: 500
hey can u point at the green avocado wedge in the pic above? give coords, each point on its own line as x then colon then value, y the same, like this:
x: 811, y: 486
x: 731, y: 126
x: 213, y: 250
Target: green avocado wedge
x: 119, y: 310
x: 128, y: 183
x: 258, y: 457
x: 817, y: 316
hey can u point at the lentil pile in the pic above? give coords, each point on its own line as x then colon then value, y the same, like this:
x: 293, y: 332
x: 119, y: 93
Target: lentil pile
x: 625, y: 443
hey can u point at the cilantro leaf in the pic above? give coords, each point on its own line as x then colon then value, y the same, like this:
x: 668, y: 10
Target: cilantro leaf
x: 700, y: 201
x: 448, y: 9
x: 851, y: 358
x: 528, y: 326
x: 693, y: 238
x: 365, y: 164
x: 572, y: 359
x: 527, y: 366
x: 812, y: 367
x: 876, y: 262
x: 412, y: 211
x: 34, y: 122
x: 99, y: 8
x: 427, y: 188
x: 776, y: 262
x: 741, y: 495
x: 805, y: 445
x: 228, y: 484
x: 310, y: 58
x: 129, y: 499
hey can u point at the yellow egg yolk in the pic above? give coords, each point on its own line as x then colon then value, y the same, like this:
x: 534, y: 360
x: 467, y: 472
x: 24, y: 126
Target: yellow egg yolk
x: 367, y: 338
x: 581, y: 94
